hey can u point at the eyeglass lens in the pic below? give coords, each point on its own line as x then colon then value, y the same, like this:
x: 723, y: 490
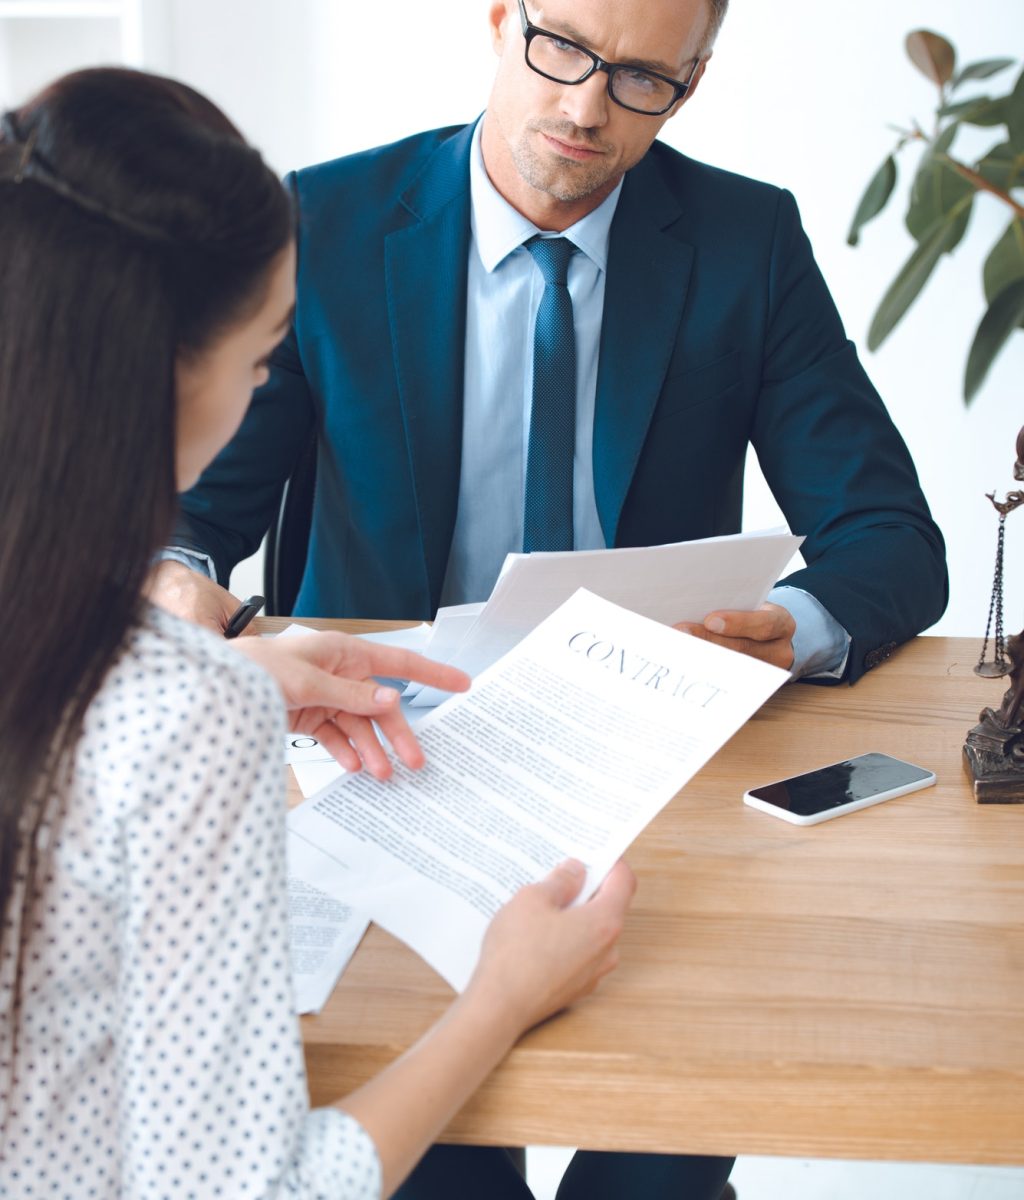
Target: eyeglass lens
x: 567, y: 63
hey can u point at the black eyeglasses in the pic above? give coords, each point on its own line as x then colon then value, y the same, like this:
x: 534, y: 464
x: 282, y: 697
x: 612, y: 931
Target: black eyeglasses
x: 564, y: 61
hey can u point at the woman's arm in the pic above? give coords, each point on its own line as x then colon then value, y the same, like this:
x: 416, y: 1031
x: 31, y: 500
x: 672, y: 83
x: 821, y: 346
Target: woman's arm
x: 212, y: 1081
x: 538, y: 957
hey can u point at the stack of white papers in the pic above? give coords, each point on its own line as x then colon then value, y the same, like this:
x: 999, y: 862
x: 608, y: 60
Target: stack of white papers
x: 567, y: 747
x: 683, y: 581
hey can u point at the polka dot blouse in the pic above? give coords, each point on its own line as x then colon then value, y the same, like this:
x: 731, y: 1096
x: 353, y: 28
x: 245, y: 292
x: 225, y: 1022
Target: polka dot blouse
x: 158, y: 1052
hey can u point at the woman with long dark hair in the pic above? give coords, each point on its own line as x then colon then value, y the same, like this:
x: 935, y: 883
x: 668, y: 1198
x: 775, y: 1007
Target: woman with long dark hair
x: 147, y: 1041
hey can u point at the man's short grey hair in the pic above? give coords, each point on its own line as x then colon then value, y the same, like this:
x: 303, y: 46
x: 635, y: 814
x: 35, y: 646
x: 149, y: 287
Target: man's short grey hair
x: 716, y: 11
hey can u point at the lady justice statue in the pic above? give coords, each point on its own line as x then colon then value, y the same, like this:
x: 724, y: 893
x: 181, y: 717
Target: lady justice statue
x: 994, y: 750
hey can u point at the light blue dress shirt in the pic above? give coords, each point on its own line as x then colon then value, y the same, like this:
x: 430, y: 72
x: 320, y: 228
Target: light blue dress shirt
x: 504, y: 287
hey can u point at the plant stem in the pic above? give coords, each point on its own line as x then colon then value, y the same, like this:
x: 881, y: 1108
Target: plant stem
x: 981, y: 183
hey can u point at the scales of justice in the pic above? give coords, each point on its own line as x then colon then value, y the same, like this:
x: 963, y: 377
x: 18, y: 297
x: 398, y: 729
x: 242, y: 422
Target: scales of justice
x: 994, y: 750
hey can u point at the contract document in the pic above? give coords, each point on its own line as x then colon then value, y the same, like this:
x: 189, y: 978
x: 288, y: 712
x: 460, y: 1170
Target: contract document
x: 683, y: 581
x: 567, y: 747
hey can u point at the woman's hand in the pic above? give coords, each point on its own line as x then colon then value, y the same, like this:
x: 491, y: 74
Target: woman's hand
x: 330, y: 693
x: 539, y: 955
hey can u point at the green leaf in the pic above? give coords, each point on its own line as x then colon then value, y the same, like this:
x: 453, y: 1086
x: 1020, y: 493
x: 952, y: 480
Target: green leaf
x: 982, y: 70
x: 1015, y: 114
x: 932, y: 54
x: 875, y: 198
x: 937, y: 190
x: 904, y: 289
x: 1005, y: 263
x: 964, y: 108
x: 990, y: 112
x: 1003, y: 167
x: 1005, y: 313
x: 944, y: 142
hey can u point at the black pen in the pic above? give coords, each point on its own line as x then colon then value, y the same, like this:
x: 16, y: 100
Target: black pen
x: 242, y: 615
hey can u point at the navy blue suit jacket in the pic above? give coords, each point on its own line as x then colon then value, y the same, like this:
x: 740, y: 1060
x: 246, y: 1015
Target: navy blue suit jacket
x: 718, y: 330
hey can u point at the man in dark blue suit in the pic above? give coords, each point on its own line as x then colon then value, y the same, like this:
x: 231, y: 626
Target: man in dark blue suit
x: 702, y: 325
x: 699, y: 324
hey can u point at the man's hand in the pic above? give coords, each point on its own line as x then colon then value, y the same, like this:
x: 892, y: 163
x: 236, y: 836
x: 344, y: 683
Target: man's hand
x: 330, y: 693
x: 766, y: 633
x: 190, y: 595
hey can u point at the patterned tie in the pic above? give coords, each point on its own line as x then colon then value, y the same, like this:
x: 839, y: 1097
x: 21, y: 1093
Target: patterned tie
x: 547, y: 512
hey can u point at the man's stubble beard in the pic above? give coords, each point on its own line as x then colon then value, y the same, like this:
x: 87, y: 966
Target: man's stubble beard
x: 567, y: 181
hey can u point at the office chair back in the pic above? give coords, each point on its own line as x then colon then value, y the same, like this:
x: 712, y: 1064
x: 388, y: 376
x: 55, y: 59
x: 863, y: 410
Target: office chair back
x: 288, y: 539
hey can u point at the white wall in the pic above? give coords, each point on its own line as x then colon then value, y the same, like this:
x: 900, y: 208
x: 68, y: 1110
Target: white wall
x: 799, y: 93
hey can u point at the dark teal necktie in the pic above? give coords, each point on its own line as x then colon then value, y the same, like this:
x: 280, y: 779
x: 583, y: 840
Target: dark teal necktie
x: 547, y: 510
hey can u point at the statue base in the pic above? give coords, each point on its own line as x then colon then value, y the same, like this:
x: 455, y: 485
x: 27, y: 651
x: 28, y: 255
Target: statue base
x: 994, y: 761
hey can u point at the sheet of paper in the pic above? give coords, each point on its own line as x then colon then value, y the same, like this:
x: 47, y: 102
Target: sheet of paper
x: 679, y: 582
x: 302, y: 748
x: 451, y: 625
x: 415, y: 637
x: 323, y: 934
x: 566, y: 747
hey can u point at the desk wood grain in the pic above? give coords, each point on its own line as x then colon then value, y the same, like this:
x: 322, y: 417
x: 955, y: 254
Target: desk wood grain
x: 854, y: 989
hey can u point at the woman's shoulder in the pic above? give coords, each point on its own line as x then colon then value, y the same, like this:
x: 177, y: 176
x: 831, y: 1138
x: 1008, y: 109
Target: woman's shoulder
x: 162, y: 645
x: 175, y: 685
x: 181, y: 744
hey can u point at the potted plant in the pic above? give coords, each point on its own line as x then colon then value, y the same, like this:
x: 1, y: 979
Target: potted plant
x: 943, y: 193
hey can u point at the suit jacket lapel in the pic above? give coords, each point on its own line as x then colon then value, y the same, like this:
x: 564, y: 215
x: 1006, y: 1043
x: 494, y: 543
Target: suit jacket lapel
x: 425, y: 265
x: 645, y: 291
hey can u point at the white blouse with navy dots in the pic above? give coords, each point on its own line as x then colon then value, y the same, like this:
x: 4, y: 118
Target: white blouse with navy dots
x: 158, y: 1052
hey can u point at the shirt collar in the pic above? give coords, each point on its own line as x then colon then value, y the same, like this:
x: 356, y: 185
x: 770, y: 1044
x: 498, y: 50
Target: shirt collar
x: 498, y: 229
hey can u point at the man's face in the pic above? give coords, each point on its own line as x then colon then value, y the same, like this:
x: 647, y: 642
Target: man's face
x: 551, y: 144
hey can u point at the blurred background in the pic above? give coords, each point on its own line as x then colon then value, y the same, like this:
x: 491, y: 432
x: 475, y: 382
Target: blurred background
x: 800, y: 93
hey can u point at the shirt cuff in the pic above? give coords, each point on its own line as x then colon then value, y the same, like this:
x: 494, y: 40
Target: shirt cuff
x: 195, y: 561
x: 821, y: 645
x: 336, y: 1157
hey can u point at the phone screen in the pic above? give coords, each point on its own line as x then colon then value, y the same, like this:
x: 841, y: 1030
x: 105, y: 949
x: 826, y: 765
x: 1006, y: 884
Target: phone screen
x: 842, y: 783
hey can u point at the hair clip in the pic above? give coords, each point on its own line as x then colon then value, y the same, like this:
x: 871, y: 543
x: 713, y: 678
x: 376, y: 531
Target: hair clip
x: 34, y: 167
x: 11, y: 133
x: 26, y: 155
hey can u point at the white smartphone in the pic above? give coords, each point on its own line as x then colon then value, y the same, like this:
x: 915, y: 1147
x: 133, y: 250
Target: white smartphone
x: 839, y: 788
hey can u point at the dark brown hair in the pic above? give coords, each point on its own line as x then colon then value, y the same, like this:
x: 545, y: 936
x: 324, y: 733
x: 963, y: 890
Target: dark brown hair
x: 135, y: 224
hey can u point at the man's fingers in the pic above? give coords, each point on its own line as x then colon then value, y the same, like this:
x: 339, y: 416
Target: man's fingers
x: 766, y: 633
x: 764, y: 624
x: 778, y: 652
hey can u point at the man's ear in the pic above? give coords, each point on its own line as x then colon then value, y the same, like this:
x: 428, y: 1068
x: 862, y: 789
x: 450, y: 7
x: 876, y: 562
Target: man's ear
x: 498, y: 16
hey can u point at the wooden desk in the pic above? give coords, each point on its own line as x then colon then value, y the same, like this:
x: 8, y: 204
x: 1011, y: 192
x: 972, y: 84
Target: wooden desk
x: 851, y: 990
